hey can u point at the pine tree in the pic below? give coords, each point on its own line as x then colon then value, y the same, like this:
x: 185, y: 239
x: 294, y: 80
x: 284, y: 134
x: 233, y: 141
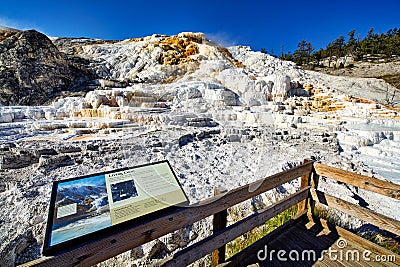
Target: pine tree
x: 383, y: 44
x: 303, y: 53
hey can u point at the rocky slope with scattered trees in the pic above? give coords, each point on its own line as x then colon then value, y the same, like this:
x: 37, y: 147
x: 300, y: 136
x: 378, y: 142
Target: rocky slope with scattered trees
x: 377, y: 55
x: 374, y: 47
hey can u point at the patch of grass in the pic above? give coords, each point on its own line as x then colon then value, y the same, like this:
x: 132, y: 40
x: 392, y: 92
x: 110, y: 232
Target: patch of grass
x: 259, y: 232
x: 389, y: 243
x: 331, y: 217
x: 367, y: 231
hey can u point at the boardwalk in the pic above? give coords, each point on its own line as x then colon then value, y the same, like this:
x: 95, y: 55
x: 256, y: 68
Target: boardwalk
x: 307, y: 241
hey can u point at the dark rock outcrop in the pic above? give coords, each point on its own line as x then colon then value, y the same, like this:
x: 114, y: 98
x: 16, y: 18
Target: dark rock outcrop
x: 33, y: 71
x: 72, y: 46
x: 6, y: 32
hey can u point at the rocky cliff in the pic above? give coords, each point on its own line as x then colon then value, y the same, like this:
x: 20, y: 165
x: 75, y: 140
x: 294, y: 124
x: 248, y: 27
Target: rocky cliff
x: 6, y: 32
x: 33, y: 71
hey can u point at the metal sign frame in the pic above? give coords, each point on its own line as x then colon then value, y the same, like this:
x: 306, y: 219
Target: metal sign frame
x: 78, y: 209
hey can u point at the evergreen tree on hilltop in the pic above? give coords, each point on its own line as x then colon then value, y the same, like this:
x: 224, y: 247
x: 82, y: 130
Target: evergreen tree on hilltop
x: 385, y: 45
x: 303, y: 53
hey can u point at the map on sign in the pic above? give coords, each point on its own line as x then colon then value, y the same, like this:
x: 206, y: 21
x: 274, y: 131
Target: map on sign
x: 86, y: 206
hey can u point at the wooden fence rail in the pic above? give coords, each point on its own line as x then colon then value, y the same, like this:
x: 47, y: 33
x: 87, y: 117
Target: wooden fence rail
x: 98, y: 250
x: 222, y: 237
x: 361, y: 181
x: 386, y: 223
x: 101, y: 249
x: 324, y: 200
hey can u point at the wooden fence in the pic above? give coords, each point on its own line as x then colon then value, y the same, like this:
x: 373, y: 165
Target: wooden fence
x: 306, y: 198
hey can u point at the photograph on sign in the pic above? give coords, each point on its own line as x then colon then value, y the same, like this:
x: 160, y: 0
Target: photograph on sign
x: 86, y: 205
x: 81, y: 207
x: 123, y: 190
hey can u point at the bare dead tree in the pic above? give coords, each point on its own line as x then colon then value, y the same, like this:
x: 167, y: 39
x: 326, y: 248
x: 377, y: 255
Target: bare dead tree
x: 389, y: 98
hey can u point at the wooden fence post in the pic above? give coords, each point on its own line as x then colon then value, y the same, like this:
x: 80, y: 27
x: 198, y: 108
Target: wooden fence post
x: 219, y: 223
x: 304, y: 182
x: 314, y: 185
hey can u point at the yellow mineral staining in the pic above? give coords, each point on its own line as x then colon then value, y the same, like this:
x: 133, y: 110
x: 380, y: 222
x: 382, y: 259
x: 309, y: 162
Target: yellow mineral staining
x: 377, y: 110
x: 313, y: 91
x: 360, y: 100
x: 4, y: 34
x: 170, y: 79
x: 191, y: 50
x: 393, y: 108
x: 171, y: 57
x: 229, y: 56
x: 132, y: 40
x: 386, y: 114
x: 323, y: 104
x: 90, y: 112
x: 177, y: 50
x: 308, y: 87
x: 131, y: 105
x: 137, y: 39
x: 82, y: 137
x: 320, y: 101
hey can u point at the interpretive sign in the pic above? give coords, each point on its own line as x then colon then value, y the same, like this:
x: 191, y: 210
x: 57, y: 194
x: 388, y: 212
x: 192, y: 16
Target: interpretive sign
x: 88, y: 206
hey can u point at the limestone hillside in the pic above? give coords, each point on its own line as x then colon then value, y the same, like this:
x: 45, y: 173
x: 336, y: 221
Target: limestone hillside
x: 36, y: 70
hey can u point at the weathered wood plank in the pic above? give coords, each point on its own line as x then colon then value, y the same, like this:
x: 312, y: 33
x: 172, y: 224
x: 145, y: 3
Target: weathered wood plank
x: 219, y: 222
x: 353, y: 260
x: 98, y: 250
x: 372, y: 184
x: 313, y: 235
x: 304, y: 182
x: 364, y: 214
x: 349, y: 236
x: 207, y: 245
x: 242, y: 258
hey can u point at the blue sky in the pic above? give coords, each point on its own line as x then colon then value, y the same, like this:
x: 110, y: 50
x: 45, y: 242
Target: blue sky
x: 260, y: 24
x: 89, y: 181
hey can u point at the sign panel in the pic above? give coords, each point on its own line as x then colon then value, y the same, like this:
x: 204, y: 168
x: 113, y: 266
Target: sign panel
x: 85, y: 207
